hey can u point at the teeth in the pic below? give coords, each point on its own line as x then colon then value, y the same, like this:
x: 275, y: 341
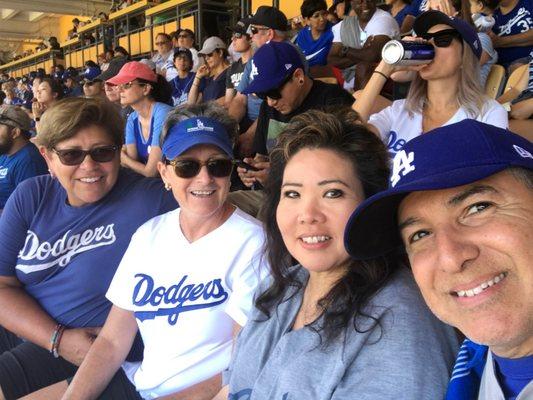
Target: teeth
x: 202, y: 192
x: 90, y: 180
x: 478, y: 289
x: 315, y: 239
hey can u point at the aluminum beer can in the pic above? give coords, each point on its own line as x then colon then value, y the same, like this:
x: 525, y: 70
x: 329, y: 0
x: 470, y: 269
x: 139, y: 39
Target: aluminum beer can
x: 397, y: 52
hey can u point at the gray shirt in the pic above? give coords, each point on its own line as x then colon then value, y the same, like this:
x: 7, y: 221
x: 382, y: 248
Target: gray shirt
x: 408, y: 356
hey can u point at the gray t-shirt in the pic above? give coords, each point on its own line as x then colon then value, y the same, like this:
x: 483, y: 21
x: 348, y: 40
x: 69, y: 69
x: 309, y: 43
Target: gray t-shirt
x: 408, y: 356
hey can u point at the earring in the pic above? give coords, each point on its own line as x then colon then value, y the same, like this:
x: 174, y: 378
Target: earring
x: 301, y: 81
x: 167, y: 186
x: 51, y: 174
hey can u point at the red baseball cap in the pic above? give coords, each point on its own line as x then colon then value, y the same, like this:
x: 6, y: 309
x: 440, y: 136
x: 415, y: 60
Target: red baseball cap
x: 131, y: 71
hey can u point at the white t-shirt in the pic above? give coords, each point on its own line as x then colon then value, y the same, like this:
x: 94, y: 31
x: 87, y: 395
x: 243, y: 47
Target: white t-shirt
x: 396, y: 127
x: 381, y: 23
x: 186, y: 297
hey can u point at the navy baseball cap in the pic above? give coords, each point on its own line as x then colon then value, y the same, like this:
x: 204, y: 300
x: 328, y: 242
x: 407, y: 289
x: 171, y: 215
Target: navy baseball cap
x: 91, y: 74
x: 425, y: 21
x: 447, y: 157
x: 193, y: 131
x: 271, y: 64
x: 270, y: 17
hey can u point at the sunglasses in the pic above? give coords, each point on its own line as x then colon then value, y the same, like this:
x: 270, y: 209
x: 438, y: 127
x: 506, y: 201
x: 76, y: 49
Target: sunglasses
x: 161, y: 43
x: 442, y: 38
x: 255, y: 30
x: 189, y: 168
x: 76, y: 156
x: 130, y: 84
x: 208, y: 55
x: 275, y: 93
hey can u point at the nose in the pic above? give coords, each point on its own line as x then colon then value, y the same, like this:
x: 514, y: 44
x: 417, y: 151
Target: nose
x: 454, y: 249
x: 271, y: 102
x: 310, y: 212
x: 203, y: 175
x: 88, y: 163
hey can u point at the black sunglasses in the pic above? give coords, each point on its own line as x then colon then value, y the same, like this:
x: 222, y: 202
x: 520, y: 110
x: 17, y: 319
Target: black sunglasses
x: 189, y: 168
x: 442, y: 38
x: 255, y: 30
x: 238, y: 35
x: 275, y: 93
x: 76, y: 156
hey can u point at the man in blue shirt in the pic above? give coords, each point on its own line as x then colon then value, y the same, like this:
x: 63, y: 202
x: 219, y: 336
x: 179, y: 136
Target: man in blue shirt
x: 460, y: 204
x: 19, y: 158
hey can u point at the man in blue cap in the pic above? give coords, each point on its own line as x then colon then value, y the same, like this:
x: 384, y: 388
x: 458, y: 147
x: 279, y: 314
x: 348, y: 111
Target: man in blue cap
x: 281, y: 81
x: 460, y: 203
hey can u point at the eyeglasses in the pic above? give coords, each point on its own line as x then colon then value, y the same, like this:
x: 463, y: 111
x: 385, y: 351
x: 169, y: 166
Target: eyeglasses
x: 189, y: 168
x: 255, y: 29
x: 442, y: 38
x: 275, y: 93
x: 128, y: 85
x: 76, y: 156
x: 161, y: 43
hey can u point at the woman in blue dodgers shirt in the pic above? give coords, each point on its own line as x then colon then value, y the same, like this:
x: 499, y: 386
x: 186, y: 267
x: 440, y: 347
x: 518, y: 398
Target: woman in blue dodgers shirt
x: 332, y: 327
x: 187, y: 278
x: 149, y: 95
x: 61, y: 239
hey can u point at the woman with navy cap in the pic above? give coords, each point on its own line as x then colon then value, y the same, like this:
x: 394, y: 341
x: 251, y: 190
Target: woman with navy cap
x: 187, y: 278
x: 444, y: 91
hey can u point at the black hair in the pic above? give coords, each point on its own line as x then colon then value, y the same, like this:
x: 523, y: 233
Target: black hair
x: 56, y: 86
x: 309, y: 7
x: 120, y: 49
x: 91, y: 64
x: 345, y: 303
x: 161, y: 90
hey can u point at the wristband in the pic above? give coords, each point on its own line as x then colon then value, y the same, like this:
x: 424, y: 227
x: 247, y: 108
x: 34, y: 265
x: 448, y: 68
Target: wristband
x: 382, y: 74
x: 55, y: 339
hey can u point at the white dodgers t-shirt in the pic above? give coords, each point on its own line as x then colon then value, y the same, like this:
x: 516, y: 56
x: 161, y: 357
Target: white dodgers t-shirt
x: 396, y: 127
x: 186, y: 297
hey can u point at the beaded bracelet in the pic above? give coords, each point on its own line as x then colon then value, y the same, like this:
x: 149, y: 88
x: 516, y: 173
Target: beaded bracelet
x: 55, y: 339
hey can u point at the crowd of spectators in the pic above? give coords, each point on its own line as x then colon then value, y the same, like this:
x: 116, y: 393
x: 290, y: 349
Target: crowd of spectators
x: 127, y: 269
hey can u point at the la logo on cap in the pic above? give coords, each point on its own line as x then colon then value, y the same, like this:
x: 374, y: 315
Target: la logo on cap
x: 402, y: 165
x: 522, y: 152
x: 200, y: 127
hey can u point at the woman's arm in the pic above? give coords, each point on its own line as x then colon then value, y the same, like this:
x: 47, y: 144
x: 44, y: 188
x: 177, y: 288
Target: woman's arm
x: 194, y: 93
x: 22, y: 315
x: 108, y: 352
x: 149, y: 169
x: 371, y: 91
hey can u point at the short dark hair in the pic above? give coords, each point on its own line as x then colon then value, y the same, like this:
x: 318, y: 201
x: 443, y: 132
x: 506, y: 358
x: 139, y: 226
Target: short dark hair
x: 309, y: 7
x: 55, y: 85
x: 165, y: 35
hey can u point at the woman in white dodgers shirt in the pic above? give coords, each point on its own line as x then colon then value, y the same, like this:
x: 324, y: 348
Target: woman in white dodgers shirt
x: 445, y: 91
x: 187, y: 278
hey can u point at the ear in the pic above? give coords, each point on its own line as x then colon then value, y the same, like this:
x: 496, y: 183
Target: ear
x: 16, y: 132
x: 163, y: 171
x: 47, y: 155
x: 298, y: 75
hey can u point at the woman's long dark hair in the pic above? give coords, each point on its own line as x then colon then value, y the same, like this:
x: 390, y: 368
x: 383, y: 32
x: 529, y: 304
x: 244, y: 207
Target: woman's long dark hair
x: 338, y: 131
x: 161, y: 90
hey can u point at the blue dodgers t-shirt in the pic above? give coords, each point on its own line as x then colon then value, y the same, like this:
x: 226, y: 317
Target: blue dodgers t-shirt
x: 315, y: 51
x: 65, y: 257
x: 134, y: 131
x: 513, y: 374
x: 519, y: 20
x: 15, y: 168
x: 181, y: 88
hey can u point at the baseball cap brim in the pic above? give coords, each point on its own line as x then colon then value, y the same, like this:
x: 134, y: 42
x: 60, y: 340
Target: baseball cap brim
x: 173, y: 148
x: 372, y: 229
x: 429, y: 19
x: 259, y: 85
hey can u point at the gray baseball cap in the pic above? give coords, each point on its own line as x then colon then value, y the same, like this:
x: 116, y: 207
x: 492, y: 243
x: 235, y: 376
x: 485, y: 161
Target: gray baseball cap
x: 15, y: 117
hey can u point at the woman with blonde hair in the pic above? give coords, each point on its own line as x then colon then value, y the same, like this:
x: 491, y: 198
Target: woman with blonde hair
x: 444, y: 91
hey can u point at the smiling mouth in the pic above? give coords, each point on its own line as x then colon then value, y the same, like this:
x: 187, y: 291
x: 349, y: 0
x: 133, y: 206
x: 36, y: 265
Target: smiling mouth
x: 315, y: 239
x: 480, y: 288
x: 91, y: 180
x: 202, y: 193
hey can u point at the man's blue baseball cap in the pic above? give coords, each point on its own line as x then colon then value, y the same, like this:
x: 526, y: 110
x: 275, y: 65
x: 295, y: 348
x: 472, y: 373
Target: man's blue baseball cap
x: 425, y: 21
x: 446, y: 157
x: 271, y: 64
x: 194, y: 131
x: 91, y: 73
